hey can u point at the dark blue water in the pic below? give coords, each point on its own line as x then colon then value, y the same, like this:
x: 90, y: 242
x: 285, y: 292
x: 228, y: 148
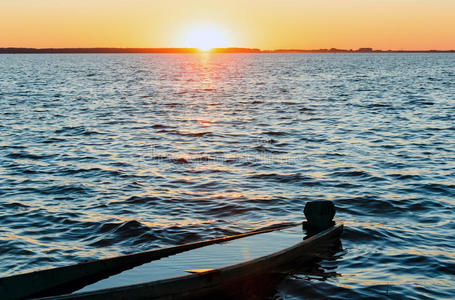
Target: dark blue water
x: 102, y: 155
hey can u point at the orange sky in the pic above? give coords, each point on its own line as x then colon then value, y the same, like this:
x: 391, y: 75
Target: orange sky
x: 265, y: 24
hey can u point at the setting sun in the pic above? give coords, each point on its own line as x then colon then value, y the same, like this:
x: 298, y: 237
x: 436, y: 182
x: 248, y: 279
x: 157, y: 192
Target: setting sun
x: 205, y: 38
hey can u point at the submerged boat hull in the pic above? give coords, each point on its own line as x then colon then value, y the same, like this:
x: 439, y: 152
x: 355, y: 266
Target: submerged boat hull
x: 67, y: 279
x: 217, y: 281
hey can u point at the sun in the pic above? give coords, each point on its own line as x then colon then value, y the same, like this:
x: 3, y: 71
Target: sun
x: 205, y: 38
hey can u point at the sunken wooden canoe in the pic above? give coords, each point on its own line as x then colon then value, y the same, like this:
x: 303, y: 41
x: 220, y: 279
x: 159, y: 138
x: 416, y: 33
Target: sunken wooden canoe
x: 235, y: 259
x: 213, y: 267
x: 67, y: 279
x: 197, y: 276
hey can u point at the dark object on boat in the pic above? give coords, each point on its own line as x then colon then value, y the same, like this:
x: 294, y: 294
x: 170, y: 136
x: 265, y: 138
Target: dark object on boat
x: 319, y: 215
x: 201, y: 278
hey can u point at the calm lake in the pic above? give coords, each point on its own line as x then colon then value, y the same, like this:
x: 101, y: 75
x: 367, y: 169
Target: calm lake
x: 102, y: 155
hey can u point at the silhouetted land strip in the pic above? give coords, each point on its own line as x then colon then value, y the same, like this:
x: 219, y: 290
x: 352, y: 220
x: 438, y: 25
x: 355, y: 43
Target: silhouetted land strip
x: 194, y: 50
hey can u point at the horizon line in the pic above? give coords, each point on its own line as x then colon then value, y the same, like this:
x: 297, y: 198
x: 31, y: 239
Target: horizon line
x: 88, y: 50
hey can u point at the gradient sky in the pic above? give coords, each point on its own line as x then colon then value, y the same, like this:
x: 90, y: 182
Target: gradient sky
x: 265, y: 24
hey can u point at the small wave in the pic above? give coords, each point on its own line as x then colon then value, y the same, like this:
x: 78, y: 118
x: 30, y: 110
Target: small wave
x: 173, y: 104
x: 265, y: 149
x: 350, y: 174
x: 30, y: 171
x: 421, y: 204
x: 15, y: 248
x: 305, y: 109
x: 160, y: 126
x: 347, y: 185
x: 289, y: 102
x: 114, y: 233
x: 285, y: 178
x: 275, y: 133
x: 443, y: 189
x: 228, y: 210
x: 378, y: 105
x: 64, y: 190
x: 180, y: 160
x: 447, y: 267
x: 15, y: 205
x: 208, y: 171
x: 359, y: 174
x: 194, y: 134
x: 370, y: 205
x: 75, y: 131
x: 27, y: 155
x: 143, y: 200
x: 94, y: 171
x: 13, y: 146
x: 188, y: 237
x: 127, y: 228
x: 362, y: 234
x: 52, y: 140
x: 398, y: 176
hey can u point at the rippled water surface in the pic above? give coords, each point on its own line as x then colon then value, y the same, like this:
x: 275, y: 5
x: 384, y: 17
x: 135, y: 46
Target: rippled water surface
x: 103, y: 155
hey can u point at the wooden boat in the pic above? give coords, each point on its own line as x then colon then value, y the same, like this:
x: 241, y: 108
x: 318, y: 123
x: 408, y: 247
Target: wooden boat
x: 215, y: 266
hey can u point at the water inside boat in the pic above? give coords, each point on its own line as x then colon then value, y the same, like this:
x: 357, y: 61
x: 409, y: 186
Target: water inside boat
x: 204, y: 258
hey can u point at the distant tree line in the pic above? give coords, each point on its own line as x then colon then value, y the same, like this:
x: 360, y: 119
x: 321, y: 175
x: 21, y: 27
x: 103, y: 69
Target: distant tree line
x: 13, y: 50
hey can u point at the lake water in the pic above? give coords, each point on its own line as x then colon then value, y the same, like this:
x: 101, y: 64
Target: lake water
x: 102, y: 155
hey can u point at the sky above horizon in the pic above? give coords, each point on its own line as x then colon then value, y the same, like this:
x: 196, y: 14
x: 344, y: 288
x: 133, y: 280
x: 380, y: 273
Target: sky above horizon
x: 264, y: 24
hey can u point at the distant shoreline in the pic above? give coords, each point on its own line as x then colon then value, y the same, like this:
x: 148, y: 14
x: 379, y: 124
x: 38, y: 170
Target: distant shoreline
x: 14, y: 50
